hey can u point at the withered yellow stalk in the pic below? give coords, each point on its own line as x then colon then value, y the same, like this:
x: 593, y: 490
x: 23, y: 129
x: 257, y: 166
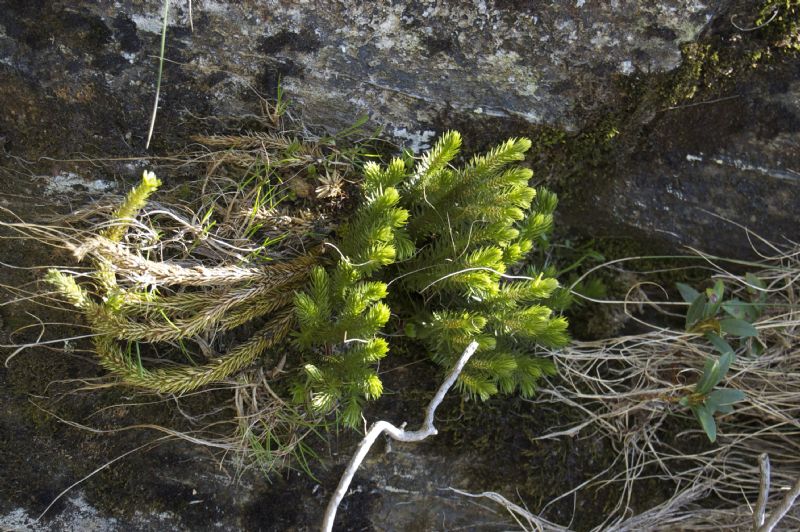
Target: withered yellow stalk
x: 129, y: 315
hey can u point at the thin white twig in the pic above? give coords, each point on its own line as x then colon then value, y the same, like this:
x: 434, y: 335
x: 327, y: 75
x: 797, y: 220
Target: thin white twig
x: 102, y: 467
x: 38, y: 342
x: 782, y: 509
x: 758, y: 27
x: 763, y: 491
x: 396, y: 433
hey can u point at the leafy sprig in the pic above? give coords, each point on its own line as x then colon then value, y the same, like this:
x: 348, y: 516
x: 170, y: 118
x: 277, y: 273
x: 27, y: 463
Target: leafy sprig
x: 716, y: 318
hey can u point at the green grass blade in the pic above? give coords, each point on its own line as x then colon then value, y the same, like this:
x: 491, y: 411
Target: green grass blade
x: 160, y: 71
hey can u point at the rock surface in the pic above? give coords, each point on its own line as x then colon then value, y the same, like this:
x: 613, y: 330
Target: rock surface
x: 642, y: 137
x: 403, y: 63
x: 732, y: 158
x: 79, y: 80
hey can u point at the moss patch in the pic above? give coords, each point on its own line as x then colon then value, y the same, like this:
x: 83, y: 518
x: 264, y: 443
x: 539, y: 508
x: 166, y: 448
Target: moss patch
x: 779, y: 20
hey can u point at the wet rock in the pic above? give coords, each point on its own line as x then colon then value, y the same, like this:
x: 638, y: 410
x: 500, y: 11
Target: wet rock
x: 708, y: 158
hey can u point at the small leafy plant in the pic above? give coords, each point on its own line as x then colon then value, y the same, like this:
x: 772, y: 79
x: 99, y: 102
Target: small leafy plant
x: 705, y: 401
x: 715, y: 318
x: 709, y: 312
x: 341, y: 311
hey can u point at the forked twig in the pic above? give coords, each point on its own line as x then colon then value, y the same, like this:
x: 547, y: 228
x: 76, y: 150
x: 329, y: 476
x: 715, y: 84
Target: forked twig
x: 763, y: 492
x: 398, y: 434
x: 762, y: 524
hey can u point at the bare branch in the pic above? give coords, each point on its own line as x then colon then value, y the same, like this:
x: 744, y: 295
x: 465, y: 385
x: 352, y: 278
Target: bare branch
x: 398, y: 434
x: 763, y: 491
x: 782, y: 509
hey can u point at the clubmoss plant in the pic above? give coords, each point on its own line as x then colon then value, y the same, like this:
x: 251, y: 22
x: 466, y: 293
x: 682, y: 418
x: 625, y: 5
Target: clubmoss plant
x: 341, y: 312
x: 445, y: 245
x: 473, y: 227
x: 121, y: 317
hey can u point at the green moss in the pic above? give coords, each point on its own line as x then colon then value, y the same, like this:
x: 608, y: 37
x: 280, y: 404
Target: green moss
x: 779, y: 20
x: 559, y: 154
x: 34, y: 370
x: 688, y: 76
x: 710, y: 68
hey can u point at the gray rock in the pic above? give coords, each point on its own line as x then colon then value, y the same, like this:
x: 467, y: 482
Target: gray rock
x: 690, y: 146
x: 79, y: 79
x: 404, y: 64
x: 704, y: 169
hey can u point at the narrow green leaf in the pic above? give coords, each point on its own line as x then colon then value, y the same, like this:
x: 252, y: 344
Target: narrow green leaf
x: 706, y: 325
x: 714, y: 377
x: 724, y: 409
x: 738, y: 327
x: 722, y: 367
x: 688, y: 293
x: 706, y: 419
x: 704, y: 385
x: 715, y: 296
x: 696, y: 311
x: 726, y: 396
x: 710, y: 403
x: 719, y: 344
x: 741, y: 310
x: 753, y: 281
x: 716, y: 293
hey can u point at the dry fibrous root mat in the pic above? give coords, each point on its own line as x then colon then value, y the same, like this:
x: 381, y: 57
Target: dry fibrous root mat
x: 196, y: 287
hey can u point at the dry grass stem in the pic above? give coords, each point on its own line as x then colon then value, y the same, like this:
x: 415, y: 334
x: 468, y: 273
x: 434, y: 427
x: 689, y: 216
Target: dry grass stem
x: 627, y: 388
